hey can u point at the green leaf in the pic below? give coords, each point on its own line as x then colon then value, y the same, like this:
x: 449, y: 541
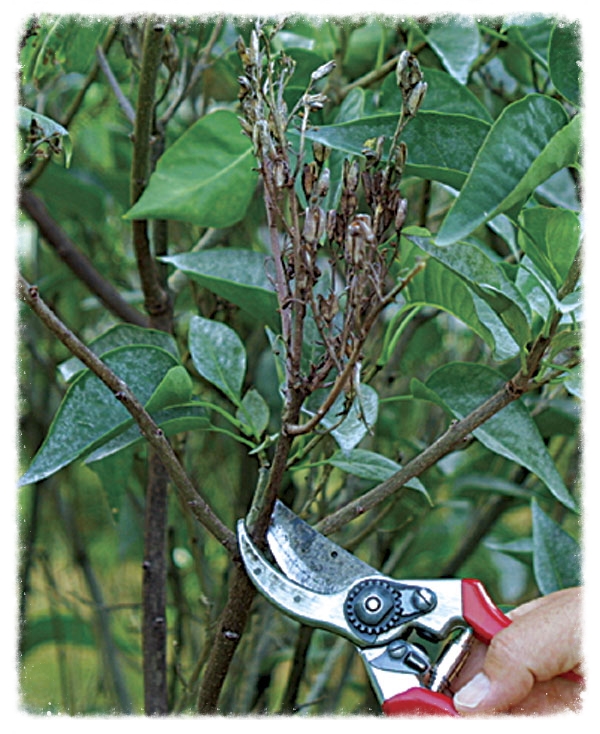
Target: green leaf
x: 45, y: 131
x: 175, y: 387
x: 254, y: 413
x: 441, y: 146
x: 118, y: 336
x: 565, y: 60
x: 89, y: 413
x: 372, y: 467
x: 521, y: 548
x: 487, y: 279
x: 56, y: 629
x: 456, y: 42
x: 512, y: 433
x: 533, y: 37
x: 523, y: 148
x: 439, y: 287
x: 550, y: 237
x: 485, y: 482
x: 172, y: 420
x: 444, y: 94
x: 115, y: 472
x: 556, y: 555
x: 219, y: 355
x: 205, y: 177
x: 238, y: 276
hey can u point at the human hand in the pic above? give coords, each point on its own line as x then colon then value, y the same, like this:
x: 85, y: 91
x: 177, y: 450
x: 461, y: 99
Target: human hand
x: 519, y: 672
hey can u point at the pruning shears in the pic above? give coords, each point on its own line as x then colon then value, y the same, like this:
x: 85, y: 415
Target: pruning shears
x: 393, y: 623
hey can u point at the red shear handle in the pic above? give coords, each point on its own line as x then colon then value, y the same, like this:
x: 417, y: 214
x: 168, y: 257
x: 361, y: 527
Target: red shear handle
x: 419, y: 702
x: 486, y: 619
x: 480, y: 612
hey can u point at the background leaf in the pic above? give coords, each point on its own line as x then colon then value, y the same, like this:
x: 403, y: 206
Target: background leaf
x: 90, y: 414
x: 565, y: 58
x: 438, y: 286
x: 219, y: 355
x: 205, y: 177
x: 550, y: 237
x: 441, y: 146
x: 118, y: 336
x: 172, y: 420
x: 556, y: 555
x: 254, y: 412
x: 456, y: 42
x: 371, y: 466
x: 444, y: 94
x: 487, y: 279
x: 238, y: 276
x: 519, y: 138
x: 511, y: 433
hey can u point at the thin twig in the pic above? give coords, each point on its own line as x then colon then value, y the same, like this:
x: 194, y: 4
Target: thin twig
x: 124, y: 103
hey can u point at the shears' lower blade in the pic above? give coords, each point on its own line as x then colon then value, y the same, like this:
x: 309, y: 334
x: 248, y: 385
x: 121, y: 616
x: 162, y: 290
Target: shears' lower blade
x: 310, y: 558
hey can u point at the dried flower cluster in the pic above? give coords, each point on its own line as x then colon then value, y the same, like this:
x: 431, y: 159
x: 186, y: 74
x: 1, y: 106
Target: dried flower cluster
x: 330, y: 265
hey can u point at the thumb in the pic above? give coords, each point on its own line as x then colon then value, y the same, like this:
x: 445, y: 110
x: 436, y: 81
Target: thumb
x: 541, y: 643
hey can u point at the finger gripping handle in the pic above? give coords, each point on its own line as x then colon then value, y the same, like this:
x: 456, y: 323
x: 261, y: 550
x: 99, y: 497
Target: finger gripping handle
x: 480, y: 612
x: 419, y: 702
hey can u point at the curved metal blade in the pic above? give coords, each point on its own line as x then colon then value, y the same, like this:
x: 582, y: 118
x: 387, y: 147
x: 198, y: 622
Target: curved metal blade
x: 314, y: 609
x: 310, y: 558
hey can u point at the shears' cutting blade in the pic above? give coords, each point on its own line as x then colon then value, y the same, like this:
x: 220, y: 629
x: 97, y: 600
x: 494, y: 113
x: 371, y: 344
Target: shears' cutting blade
x: 310, y: 558
x: 313, y: 608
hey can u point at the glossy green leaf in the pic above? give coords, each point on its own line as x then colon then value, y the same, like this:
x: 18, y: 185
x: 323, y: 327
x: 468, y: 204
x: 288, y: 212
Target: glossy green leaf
x: 556, y: 555
x: 565, y: 59
x: 487, y: 279
x: 219, y: 355
x: 238, y: 276
x: 524, y: 148
x: 206, y: 177
x: 372, y: 467
x: 175, y: 387
x: 444, y: 94
x: 550, y: 237
x: 441, y: 146
x: 438, y: 286
x: 89, y: 413
x: 456, y: 42
x: 172, y: 420
x: 254, y: 413
x: 533, y: 37
x: 118, y: 336
x: 512, y: 433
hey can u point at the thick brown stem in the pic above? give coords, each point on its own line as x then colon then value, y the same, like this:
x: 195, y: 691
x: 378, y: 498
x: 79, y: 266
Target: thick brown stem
x: 230, y: 628
x: 156, y: 299
x: 241, y: 591
x: 154, y: 587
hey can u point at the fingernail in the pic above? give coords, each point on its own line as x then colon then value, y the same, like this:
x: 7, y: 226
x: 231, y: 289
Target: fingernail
x: 473, y: 693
